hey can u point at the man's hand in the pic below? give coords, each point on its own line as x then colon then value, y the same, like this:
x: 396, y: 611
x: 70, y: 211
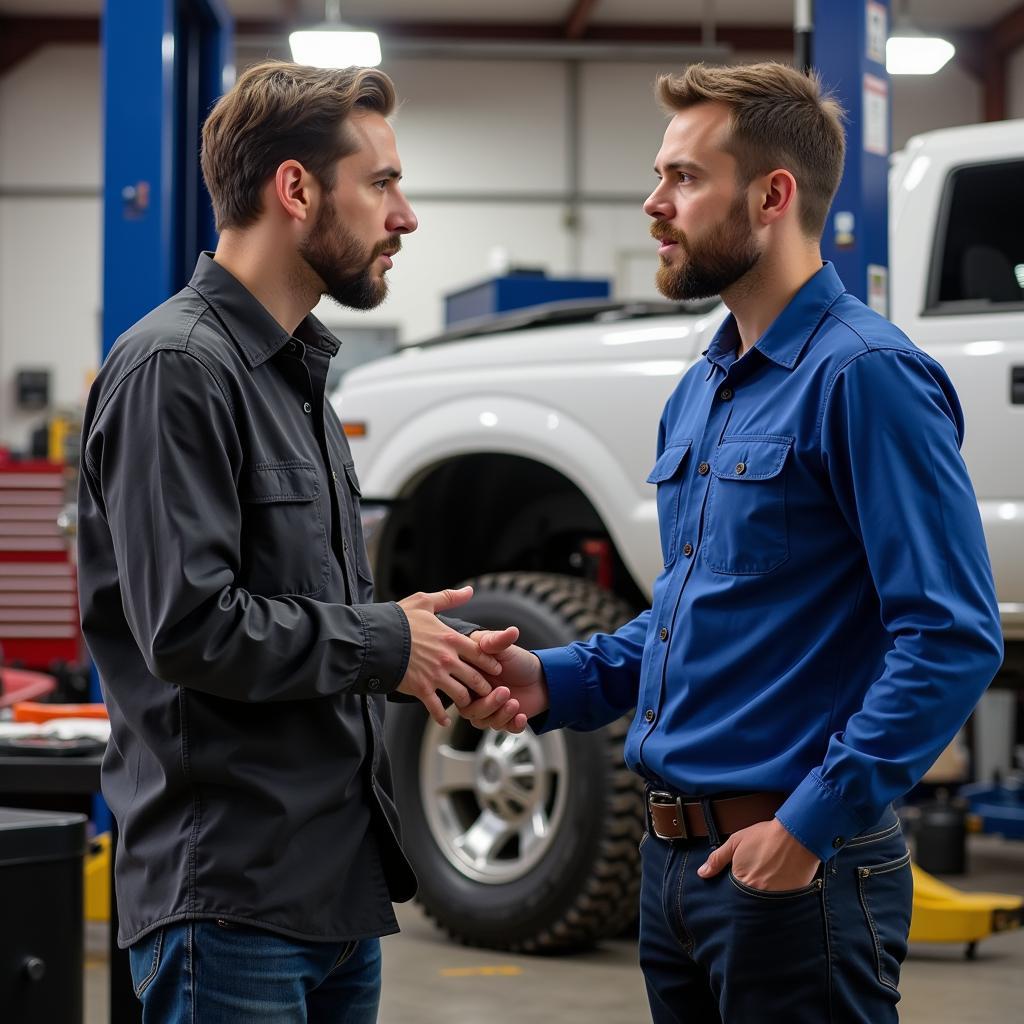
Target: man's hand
x: 764, y: 856
x: 441, y: 658
x: 522, y: 694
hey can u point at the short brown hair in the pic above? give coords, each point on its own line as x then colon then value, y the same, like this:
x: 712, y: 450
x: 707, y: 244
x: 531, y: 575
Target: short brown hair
x: 780, y: 118
x: 279, y: 111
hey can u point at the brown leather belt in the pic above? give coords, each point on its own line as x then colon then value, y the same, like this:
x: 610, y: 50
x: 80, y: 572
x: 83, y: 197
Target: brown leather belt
x: 678, y: 817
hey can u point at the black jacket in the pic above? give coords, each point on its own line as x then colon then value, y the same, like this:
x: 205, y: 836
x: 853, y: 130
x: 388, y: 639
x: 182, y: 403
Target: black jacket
x: 228, y: 604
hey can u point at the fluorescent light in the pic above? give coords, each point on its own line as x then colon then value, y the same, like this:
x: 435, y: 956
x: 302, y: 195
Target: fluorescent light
x: 335, y: 46
x: 916, y: 55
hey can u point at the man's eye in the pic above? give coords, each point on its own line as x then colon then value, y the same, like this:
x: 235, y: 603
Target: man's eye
x: 684, y: 178
x: 382, y: 184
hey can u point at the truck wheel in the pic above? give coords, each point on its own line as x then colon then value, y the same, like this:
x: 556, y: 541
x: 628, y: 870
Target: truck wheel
x: 525, y: 843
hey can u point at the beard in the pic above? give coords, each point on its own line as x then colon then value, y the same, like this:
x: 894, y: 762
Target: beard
x: 709, y: 265
x: 343, y: 263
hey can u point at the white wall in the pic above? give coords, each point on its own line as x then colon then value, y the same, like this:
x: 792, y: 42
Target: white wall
x: 484, y: 147
x: 50, y: 247
x: 923, y: 102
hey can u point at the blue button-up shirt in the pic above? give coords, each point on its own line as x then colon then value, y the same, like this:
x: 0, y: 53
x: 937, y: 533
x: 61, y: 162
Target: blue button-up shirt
x: 826, y: 618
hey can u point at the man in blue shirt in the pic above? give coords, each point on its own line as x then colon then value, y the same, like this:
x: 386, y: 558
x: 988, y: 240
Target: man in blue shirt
x: 826, y: 618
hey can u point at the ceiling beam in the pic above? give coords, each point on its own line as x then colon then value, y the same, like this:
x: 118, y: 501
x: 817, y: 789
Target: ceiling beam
x: 1007, y: 33
x: 21, y: 37
x: 1000, y: 40
x: 579, y: 16
x: 739, y: 37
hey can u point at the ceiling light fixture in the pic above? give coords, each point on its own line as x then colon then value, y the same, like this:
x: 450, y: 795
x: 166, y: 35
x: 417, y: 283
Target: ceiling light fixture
x: 910, y: 52
x: 335, y: 44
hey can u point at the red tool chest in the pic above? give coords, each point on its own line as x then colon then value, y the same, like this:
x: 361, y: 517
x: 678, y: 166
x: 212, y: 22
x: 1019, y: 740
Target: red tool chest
x: 39, y: 623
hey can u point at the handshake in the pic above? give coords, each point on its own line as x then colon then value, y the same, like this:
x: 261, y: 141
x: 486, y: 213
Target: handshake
x: 493, y: 683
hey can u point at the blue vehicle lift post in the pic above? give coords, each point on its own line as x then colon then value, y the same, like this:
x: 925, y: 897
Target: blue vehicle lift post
x: 847, y: 48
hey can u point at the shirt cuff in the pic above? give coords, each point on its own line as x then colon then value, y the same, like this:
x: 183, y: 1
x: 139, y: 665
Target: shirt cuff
x: 566, y: 692
x: 816, y: 816
x: 387, y: 642
x: 459, y: 625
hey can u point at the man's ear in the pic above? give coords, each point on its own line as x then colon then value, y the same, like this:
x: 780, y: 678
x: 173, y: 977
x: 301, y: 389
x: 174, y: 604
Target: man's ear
x: 293, y: 190
x: 778, y: 195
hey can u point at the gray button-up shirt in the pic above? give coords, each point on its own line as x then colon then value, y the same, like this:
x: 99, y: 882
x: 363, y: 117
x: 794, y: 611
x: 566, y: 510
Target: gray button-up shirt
x: 228, y: 604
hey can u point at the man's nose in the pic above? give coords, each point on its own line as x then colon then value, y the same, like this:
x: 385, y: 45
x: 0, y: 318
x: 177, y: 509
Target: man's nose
x: 657, y: 205
x: 402, y: 220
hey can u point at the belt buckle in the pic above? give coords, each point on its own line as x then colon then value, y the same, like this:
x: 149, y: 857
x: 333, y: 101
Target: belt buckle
x: 680, y: 818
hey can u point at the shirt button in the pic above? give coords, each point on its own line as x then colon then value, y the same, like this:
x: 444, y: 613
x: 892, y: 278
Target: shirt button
x: 290, y: 346
x: 374, y: 683
x: 703, y: 469
x: 741, y: 468
x: 725, y: 394
x: 648, y: 715
x: 837, y: 842
x: 334, y: 476
x: 307, y: 408
x: 663, y: 634
x: 344, y: 543
x: 687, y: 550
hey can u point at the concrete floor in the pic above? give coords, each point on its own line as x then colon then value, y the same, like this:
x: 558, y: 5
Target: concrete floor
x: 428, y: 980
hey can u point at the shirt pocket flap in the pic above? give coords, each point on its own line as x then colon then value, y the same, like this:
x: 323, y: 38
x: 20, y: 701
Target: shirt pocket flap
x: 668, y: 463
x: 750, y: 458
x: 280, y: 481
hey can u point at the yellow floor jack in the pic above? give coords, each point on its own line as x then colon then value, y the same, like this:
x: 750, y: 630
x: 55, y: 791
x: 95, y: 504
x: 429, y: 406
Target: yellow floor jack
x: 945, y: 914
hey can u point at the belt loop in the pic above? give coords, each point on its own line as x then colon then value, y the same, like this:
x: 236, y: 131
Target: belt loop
x: 714, y: 838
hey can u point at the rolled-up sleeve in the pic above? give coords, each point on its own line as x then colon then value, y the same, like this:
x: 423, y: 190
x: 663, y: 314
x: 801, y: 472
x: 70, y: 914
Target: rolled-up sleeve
x: 161, y: 465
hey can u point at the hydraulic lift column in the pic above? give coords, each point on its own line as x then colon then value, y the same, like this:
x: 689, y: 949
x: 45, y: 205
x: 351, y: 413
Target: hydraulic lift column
x: 847, y: 48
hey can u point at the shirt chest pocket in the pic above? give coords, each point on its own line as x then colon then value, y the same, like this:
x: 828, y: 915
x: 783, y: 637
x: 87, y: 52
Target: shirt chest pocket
x: 668, y: 475
x: 746, y: 529
x: 283, y: 545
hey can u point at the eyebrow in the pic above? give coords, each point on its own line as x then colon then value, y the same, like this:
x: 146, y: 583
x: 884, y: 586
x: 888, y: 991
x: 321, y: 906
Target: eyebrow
x: 386, y: 172
x: 682, y: 165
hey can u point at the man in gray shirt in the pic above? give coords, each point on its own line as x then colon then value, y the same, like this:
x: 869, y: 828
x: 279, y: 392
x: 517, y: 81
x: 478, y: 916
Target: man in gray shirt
x: 225, y: 591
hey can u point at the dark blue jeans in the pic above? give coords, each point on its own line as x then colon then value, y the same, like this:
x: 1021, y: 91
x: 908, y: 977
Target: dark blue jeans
x: 719, y: 952
x: 205, y: 972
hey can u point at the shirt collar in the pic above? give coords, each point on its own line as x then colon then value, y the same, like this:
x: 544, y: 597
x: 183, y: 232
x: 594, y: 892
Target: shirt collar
x: 787, y: 337
x: 247, y: 320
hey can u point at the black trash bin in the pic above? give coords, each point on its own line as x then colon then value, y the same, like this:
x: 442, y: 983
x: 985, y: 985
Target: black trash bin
x: 41, y: 939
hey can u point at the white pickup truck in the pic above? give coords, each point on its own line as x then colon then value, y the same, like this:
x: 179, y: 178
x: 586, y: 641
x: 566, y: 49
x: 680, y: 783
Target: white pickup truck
x: 514, y: 453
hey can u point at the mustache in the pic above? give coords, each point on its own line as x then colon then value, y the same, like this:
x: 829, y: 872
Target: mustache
x: 390, y: 244
x: 662, y: 232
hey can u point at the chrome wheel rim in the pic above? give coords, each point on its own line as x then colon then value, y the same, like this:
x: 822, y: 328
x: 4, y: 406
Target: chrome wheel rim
x: 493, y: 801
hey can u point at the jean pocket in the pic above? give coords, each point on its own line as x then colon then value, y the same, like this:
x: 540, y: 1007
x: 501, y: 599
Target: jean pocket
x: 747, y: 531
x: 781, y: 894
x: 886, y: 896
x: 668, y: 475
x: 874, y: 838
x: 144, y: 960
x: 345, y: 954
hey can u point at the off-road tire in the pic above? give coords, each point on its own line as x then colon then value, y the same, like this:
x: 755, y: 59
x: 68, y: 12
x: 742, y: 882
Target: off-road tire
x: 586, y: 886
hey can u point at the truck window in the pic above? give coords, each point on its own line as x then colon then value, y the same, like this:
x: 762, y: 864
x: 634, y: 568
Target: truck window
x: 978, y: 261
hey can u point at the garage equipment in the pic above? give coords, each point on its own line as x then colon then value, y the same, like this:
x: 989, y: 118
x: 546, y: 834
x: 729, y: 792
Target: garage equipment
x: 41, y: 957
x: 944, y: 914
x: 997, y: 808
x: 38, y: 596
x: 18, y: 686
x: 518, y: 290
